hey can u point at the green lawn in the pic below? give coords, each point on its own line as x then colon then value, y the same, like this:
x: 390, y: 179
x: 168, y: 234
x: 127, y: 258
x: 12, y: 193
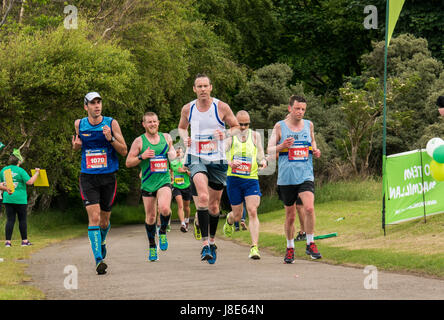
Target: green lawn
x: 412, y: 246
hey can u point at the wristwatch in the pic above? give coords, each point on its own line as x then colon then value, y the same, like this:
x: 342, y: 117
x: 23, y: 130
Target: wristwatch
x: 112, y: 139
x: 140, y: 157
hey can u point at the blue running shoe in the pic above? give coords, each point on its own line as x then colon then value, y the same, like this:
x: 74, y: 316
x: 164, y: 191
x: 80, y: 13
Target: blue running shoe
x: 206, y: 253
x: 213, y: 253
x: 163, y: 242
x: 152, y: 256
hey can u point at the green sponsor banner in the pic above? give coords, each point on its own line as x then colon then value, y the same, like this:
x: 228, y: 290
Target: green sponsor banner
x: 410, y: 190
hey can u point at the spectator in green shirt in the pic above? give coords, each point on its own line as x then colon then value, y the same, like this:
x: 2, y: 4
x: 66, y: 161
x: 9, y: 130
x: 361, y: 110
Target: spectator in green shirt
x: 16, y: 203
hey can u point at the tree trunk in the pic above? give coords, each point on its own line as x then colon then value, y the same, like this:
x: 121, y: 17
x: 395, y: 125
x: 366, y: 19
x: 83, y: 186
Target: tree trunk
x: 32, y: 198
x: 45, y: 202
x: 22, y: 12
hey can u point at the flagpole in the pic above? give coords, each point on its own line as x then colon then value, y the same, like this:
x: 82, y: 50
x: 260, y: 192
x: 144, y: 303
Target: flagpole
x: 384, y: 130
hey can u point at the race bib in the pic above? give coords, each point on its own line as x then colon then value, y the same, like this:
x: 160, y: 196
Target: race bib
x: 96, y: 159
x: 206, y: 145
x: 179, y: 180
x: 159, y: 164
x: 299, y: 151
x: 245, y: 166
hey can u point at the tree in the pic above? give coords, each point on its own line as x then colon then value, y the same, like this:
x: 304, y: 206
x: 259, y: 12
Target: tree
x: 45, y: 76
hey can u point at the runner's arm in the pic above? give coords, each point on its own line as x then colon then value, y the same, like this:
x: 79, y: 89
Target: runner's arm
x: 171, y: 151
x: 183, y: 125
x: 260, y: 149
x: 316, y: 151
x: 273, y: 148
x: 119, y: 144
x: 229, y: 118
x: 76, y: 141
x: 132, y: 159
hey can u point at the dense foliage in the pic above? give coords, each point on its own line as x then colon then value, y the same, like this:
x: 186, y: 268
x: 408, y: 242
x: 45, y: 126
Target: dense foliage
x: 143, y: 55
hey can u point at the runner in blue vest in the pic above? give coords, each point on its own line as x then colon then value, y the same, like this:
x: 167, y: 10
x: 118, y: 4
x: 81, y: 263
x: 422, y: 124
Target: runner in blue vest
x: 100, y: 139
x: 293, y: 138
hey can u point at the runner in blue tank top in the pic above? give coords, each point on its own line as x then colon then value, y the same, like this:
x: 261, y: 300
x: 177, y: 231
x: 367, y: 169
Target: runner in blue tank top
x: 293, y: 139
x: 100, y: 139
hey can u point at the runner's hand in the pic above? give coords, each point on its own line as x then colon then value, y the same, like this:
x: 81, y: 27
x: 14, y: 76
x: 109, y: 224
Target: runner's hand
x: 235, y: 163
x: 107, y: 133
x: 288, y: 142
x: 148, y: 153
x: 263, y: 164
x: 188, y: 142
x: 76, y: 141
x: 219, y: 135
x: 316, y: 152
x: 37, y: 170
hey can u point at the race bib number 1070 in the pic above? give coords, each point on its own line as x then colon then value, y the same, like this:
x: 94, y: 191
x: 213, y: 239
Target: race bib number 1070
x: 96, y: 159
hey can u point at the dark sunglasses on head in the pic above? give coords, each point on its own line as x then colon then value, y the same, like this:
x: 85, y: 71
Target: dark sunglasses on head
x: 244, y: 124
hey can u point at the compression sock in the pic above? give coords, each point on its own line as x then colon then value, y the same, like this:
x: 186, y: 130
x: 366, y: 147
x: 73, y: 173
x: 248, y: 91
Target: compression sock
x: 95, y: 240
x: 164, y: 220
x: 151, y: 233
x: 203, y: 217
x: 104, y: 232
x: 214, y: 220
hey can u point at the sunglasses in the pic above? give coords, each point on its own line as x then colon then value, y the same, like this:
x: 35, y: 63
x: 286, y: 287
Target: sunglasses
x: 244, y: 124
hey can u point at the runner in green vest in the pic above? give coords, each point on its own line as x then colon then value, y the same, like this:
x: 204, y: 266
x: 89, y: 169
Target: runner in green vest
x: 181, y: 189
x: 152, y: 151
x: 244, y: 151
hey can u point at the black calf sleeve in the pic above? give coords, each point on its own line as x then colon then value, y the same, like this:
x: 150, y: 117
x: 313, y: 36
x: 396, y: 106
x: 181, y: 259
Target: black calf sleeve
x: 151, y: 232
x: 214, y: 220
x: 203, y: 217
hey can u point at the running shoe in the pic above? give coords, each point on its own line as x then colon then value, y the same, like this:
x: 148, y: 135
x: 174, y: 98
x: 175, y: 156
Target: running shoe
x: 197, y: 233
x: 213, y: 253
x: 187, y: 224
x: 152, y: 256
x: 228, y: 229
x: 103, y: 249
x: 101, y: 267
x: 243, y: 225
x: 206, y: 253
x: 8, y: 244
x: 163, y: 242
x: 254, y: 253
x: 236, y: 228
x: 312, y: 251
x: 25, y: 244
x: 301, y: 236
x: 183, y: 228
x: 289, y: 256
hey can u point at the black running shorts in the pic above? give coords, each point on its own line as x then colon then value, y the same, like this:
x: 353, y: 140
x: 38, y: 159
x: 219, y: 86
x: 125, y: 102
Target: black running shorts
x: 98, y: 189
x: 289, y: 194
x: 185, y: 193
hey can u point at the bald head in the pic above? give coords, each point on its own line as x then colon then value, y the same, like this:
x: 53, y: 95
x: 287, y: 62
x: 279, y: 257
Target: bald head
x: 244, y: 119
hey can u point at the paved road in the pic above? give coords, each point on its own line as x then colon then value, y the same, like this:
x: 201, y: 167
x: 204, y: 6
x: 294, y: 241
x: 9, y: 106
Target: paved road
x: 179, y: 273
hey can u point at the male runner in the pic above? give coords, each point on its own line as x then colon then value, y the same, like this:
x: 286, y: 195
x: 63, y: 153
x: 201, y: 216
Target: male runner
x: 100, y: 139
x: 293, y: 138
x: 207, y: 117
x: 181, y: 189
x: 244, y: 152
x: 152, y: 151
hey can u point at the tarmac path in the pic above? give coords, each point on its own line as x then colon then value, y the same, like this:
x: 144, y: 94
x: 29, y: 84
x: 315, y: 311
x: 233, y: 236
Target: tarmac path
x: 180, y: 275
